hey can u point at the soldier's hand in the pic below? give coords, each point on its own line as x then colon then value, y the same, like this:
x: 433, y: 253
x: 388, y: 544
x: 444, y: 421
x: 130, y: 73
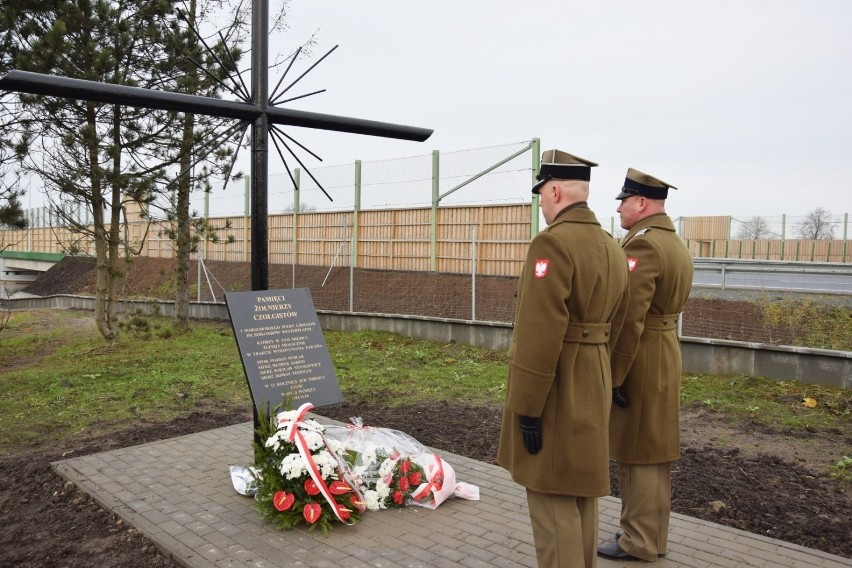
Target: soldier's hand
x: 531, y: 433
x: 619, y: 398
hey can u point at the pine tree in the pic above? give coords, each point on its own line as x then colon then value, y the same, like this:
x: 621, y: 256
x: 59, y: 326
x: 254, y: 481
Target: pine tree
x: 100, y: 156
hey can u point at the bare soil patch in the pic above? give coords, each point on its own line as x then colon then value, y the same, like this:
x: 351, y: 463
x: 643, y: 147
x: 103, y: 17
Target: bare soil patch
x: 733, y: 316
x: 50, y: 523
x: 768, y: 482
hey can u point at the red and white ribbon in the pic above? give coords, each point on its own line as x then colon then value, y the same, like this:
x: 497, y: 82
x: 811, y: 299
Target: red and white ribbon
x: 435, y: 483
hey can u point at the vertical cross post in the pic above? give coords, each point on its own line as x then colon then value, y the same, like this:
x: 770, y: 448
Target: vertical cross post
x: 260, y: 146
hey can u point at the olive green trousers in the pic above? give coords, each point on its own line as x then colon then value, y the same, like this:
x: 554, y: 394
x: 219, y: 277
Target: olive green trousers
x: 565, y: 530
x: 646, y: 502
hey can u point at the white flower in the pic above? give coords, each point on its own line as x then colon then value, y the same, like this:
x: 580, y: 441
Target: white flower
x: 368, y: 456
x: 274, y: 441
x: 386, y: 468
x: 335, y: 446
x: 293, y: 466
x: 372, y: 501
x: 313, y: 440
x: 382, y: 490
x: 326, y: 463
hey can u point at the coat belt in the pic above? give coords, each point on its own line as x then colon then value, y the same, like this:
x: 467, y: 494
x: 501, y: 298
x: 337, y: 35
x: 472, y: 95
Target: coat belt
x: 661, y: 322
x: 587, y: 333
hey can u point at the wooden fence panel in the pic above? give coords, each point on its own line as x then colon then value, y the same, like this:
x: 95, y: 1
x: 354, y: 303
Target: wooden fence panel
x: 789, y: 250
x: 375, y: 230
x: 399, y: 239
x: 236, y: 228
x: 710, y: 228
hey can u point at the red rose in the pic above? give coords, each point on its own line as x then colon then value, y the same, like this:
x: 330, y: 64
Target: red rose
x: 405, y: 466
x: 339, y: 488
x: 343, y: 511
x: 414, y: 478
x: 311, y: 487
x: 403, y: 483
x: 398, y: 497
x: 312, y: 512
x: 283, y: 500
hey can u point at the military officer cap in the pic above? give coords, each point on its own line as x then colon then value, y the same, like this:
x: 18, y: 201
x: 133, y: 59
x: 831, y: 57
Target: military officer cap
x: 638, y: 183
x: 556, y: 164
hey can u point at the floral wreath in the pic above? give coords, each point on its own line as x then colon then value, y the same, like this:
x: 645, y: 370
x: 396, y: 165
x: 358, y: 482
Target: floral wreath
x: 300, y: 478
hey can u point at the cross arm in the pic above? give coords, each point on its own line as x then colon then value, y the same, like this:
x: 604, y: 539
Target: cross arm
x: 53, y: 86
x: 81, y: 89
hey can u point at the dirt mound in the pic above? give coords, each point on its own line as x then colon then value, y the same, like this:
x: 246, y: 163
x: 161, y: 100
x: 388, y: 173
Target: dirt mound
x: 71, y: 275
x: 375, y: 291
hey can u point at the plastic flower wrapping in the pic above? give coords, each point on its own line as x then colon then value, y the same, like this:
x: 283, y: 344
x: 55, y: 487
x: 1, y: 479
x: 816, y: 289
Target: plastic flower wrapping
x: 307, y: 473
x: 392, y: 469
x: 380, y: 462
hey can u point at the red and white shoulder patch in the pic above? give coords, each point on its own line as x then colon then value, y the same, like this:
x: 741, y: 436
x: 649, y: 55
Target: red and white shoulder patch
x: 541, y: 265
x: 632, y: 263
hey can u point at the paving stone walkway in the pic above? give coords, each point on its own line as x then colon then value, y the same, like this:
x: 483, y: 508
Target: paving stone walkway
x: 178, y: 493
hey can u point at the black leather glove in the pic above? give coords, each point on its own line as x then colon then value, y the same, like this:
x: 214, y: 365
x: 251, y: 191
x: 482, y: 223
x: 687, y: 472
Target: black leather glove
x: 619, y: 398
x: 531, y: 432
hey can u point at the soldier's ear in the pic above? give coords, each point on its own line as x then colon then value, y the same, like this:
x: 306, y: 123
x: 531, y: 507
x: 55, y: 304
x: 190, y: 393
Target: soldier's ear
x: 556, y: 190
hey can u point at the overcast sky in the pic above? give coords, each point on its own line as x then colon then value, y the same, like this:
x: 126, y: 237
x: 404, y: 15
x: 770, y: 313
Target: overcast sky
x: 745, y: 105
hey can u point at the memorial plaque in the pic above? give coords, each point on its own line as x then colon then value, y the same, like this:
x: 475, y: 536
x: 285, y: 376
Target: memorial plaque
x: 282, y: 348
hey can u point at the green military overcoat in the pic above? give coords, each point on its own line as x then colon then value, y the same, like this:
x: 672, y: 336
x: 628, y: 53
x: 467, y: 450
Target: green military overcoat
x: 646, y: 361
x: 573, y: 280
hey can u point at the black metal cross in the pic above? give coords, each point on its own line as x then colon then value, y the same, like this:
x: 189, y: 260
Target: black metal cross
x: 259, y: 111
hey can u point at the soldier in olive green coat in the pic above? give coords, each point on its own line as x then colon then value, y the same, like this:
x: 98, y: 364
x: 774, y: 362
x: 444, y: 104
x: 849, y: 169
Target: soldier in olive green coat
x: 646, y: 369
x: 553, y: 438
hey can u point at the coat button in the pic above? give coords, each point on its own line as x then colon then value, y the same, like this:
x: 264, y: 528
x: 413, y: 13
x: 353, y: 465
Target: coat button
x: 585, y: 333
x: 665, y: 322
x: 606, y: 333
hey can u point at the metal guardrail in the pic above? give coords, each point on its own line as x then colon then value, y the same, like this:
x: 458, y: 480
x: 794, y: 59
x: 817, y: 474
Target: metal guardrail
x: 808, y: 277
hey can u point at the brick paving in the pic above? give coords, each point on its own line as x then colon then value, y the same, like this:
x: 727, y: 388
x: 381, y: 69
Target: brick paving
x: 178, y: 493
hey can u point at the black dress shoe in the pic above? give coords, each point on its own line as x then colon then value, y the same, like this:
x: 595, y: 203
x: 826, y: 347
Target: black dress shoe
x: 620, y: 533
x: 612, y: 551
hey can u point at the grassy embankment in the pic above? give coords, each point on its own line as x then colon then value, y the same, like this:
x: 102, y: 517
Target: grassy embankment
x: 61, y: 379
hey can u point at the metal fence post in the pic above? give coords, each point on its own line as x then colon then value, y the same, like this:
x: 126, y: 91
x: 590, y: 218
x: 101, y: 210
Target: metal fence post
x: 356, y: 213
x: 473, y: 272
x: 202, y: 254
x: 31, y: 219
x: 728, y: 241
x: 536, y: 164
x: 436, y: 197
